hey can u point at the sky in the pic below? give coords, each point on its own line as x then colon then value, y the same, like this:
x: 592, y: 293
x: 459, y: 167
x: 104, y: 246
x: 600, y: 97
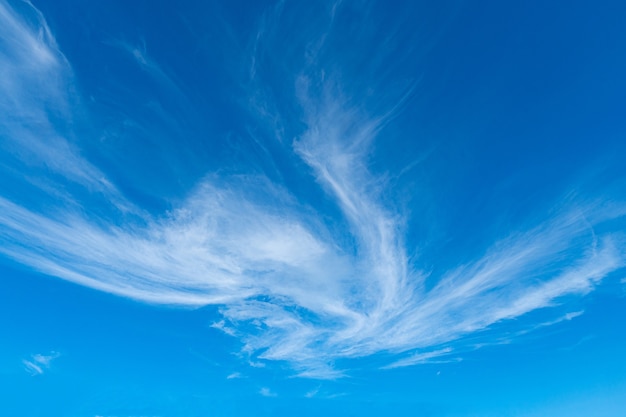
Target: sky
x: 349, y: 208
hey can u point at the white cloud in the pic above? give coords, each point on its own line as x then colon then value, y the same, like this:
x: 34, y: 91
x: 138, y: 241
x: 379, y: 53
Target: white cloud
x: 36, y: 88
x: 312, y: 393
x: 256, y: 364
x: 37, y: 364
x: 289, y: 287
x: 220, y: 325
x: 32, y: 368
x: 45, y: 360
x: 266, y: 392
x: 419, y: 358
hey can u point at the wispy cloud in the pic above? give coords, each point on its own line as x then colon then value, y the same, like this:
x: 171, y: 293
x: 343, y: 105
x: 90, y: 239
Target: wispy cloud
x: 419, y: 358
x: 312, y: 393
x: 39, y: 102
x: 266, y: 392
x: 138, y: 52
x: 289, y: 286
x: 32, y: 368
x: 37, y: 364
x: 220, y: 325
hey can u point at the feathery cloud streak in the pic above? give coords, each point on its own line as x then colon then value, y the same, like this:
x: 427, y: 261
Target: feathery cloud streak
x: 40, y: 104
x: 39, y: 363
x: 287, y: 285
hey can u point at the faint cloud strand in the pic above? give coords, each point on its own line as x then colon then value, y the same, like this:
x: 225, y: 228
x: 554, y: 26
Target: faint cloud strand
x: 266, y: 392
x: 37, y: 364
x: 37, y: 101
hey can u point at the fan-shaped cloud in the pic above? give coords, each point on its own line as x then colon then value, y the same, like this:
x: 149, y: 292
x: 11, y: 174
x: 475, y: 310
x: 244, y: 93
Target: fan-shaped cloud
x: 286, y: 284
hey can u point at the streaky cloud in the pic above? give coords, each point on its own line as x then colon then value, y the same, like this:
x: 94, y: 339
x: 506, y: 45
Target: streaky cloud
x: 286, y: 284
x: 38, y: 363
x: 419, y: 358
x: 40, y: 102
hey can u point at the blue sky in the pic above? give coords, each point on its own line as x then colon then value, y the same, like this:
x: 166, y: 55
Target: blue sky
x: 338, y: 208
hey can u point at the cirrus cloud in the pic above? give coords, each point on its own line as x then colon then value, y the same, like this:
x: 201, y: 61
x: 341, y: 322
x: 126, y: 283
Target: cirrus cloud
x: 288, y: 285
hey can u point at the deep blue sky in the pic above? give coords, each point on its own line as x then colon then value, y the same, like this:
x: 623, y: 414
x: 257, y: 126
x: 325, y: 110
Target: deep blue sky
x: 351, y: 208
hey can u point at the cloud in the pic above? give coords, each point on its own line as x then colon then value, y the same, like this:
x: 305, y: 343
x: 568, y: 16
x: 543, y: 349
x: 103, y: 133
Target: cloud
x: 266, y: 392
x: 255, y: 364
x: 312, y: 393
x: 141, y: 57
x: 39, y: 101
x: 234, y: 375
x: 220, y: 325
x: 32, y: 368
x: 419, y: 358
x: 289, y: 285
x: 37, y: 364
